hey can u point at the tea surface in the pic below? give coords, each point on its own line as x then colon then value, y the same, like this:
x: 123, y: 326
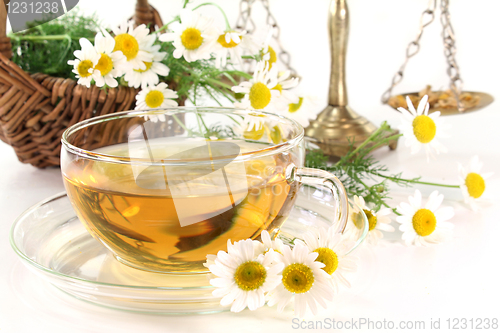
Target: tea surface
x: 168, y: 219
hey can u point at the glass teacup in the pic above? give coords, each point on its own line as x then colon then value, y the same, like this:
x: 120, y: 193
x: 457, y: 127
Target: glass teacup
x: 162, y: 189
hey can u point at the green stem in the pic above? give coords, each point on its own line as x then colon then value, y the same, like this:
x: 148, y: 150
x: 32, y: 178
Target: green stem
x: 195, y: 86
x: 240, y: 73
x: 185, y: 3
x: 198, y: 119
x: 237, y: 122
x: 181, y: 124
x: 249, y: 57
x: 204, y: 125
x: 227, y: 86
x: 383, y: 127
x: 165, y: 26
x: 412, y: 181
x: 235, y: 71
x: 223, y: 93
x: 211, y: 95
x: 230, y: 78
x: 228, y: 26
x: 387, y: 206
x: 256, y: 57
x: 382, y: 143
x: 48, y: 37
x: 394, y: 210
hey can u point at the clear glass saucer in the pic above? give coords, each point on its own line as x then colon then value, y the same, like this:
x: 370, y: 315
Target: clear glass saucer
x: 55, y: 245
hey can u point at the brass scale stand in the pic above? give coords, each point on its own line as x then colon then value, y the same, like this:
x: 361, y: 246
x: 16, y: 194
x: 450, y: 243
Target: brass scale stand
x: 337, y: 126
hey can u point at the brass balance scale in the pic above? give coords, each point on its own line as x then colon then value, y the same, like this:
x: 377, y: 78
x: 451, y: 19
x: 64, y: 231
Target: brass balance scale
x: 338, y: 127
x: 464, y: 101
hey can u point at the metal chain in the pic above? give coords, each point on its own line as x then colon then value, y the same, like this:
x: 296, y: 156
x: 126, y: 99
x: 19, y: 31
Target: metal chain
x: 449, y: 52
x: 245, y: 17
x: 425, y: 19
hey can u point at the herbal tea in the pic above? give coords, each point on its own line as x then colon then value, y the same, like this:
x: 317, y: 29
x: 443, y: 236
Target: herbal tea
x: 168, y: 219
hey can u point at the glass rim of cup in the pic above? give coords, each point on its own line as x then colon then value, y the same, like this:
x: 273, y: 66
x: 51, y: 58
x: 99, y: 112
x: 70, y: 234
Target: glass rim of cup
x: 89, y: 154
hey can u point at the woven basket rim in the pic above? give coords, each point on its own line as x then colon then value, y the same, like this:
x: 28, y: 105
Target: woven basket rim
x: 36, y: 108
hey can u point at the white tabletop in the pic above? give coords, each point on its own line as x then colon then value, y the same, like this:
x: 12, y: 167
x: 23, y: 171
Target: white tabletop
x: 459, y: 279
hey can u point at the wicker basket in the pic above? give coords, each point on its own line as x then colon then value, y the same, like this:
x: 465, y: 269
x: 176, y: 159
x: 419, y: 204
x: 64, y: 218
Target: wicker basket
x: 36, y: 109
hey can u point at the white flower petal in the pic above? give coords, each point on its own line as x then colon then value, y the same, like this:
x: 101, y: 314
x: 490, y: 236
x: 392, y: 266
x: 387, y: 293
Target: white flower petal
x: 240, y: 303
x: 300, y: 305
x: 435, y: 200
x: 422, y: 105
x: 444, y: 213
x: 221, y: 282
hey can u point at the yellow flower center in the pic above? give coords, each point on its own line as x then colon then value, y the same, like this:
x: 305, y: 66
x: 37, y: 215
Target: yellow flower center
x: 260, y: 95
x: 424, y: 222
x: 254, y: 133
x: 372, y: 219
x: 191, y: 38
x: 105, y: 64
x: 250, y: 275
x: 83, y: 68
x: 276, y: 134
x: 297, y: 278
x: 272, y: 56
x: 424, y: 128
x: 148, y: 67
x: 329, y: 258
x: 127, y: 44
x: 222, y: 41
x: 475, y: 185
x: 278, y: 87
x: 294, y: 107
x: 358, y: 220
x: 154, y: 99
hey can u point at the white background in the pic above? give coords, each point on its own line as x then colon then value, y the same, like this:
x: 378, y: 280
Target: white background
x: 457, y: 279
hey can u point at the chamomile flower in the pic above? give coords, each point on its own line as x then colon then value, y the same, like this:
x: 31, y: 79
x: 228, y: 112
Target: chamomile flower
x: 254, y: 126
x: 111, y: 63
x: 422, y: 129
x: 267, y: 53
x: 326, y: 242
x: 149, y: 76
x: 193, y: 36
x: 378, y: 221
x: 472, y: 182
x: 132, y: 42
x: 285, y: 83
x: 210, y: 260
x: 258, y: 92
x: 300, y: 111
x: 153, y: 97
x: 276, y: 245
x: 243, y: 279
x: 234, y: 44
x: 423, y: 225
x: 86, y: 59
x: 303, y: 280
x: 254, y: 121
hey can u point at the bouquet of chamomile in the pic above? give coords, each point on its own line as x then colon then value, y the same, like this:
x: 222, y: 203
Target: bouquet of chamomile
x: 191, y: 57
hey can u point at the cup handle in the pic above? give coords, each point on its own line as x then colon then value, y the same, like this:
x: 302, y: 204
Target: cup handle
x: 315, y: 177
